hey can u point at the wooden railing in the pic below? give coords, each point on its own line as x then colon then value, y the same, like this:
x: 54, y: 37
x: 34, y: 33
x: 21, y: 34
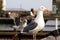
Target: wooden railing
x: 52, y: 17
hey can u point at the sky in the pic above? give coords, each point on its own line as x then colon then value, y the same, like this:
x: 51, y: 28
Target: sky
x: 28, y: 4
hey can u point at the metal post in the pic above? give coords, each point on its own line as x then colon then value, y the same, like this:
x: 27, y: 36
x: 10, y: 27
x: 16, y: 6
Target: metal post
x: 56, y: 27
x: 56, y: 23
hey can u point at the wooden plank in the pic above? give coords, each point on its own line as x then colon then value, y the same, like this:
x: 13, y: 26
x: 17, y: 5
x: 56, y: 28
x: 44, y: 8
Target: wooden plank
x: 8, y: 33
x: 51, y: 17
x: 5, y: 18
